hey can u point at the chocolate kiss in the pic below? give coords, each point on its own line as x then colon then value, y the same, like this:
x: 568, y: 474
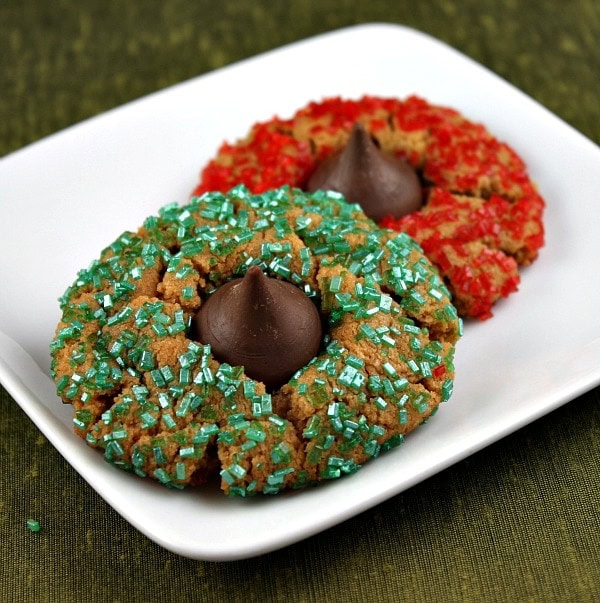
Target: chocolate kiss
x: 266, y: 325
x: 381, y: 184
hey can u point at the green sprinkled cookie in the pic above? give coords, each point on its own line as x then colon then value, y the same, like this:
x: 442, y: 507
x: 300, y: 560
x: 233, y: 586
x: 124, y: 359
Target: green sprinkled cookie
x: 271, y: 340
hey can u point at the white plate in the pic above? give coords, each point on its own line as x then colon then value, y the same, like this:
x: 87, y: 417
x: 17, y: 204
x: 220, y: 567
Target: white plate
x: 64, y: 198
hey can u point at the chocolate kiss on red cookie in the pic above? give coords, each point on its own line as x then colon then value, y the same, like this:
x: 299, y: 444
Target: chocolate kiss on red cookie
x: 266, y: 325
x: 380, y: 183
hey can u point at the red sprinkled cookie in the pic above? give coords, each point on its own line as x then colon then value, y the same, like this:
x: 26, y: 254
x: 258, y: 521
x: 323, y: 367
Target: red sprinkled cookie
x: 480, y: 216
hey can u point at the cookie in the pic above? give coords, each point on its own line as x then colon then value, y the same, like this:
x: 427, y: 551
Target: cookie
x: 479, y: 218
x: 132, y: 355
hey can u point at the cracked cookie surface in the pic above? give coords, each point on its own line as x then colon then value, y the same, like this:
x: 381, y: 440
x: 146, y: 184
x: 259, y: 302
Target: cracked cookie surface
x: 156, y: 402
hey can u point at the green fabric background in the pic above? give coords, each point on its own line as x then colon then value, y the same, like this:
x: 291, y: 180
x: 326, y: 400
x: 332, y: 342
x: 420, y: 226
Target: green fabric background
x: 519, y: 521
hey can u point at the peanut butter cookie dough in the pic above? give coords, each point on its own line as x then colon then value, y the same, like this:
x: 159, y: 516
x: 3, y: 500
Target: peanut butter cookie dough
x: 149, y: 391
x: 478, y: 218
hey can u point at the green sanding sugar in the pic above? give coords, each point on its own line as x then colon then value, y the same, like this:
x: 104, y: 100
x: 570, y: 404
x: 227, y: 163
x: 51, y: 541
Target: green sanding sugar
x: 34, y: 525
x: 185, y: 404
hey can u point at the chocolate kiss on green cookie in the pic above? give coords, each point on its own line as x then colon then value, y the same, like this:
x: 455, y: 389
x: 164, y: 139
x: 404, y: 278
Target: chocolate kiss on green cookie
x: 380, y: 183
x: 266, y: 325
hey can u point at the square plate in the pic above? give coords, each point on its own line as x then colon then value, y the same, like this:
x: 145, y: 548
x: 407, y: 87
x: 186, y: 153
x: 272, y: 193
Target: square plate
x: 65, y: 197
